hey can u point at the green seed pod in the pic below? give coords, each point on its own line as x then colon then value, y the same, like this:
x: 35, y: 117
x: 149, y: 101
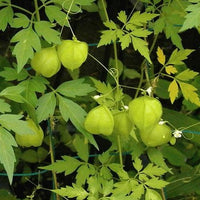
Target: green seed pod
x: 46, y: 62
x: 99, y: 121
x: 122, y: 123
x: 145, y: 112
x: 159, y: 135
x: 72, y: 53
x: 31, y: 139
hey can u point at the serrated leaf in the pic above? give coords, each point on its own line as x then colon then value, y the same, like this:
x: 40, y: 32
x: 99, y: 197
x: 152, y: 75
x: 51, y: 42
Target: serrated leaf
x: 187, y: 75
x: 7, y: 155
x: 177, y: 57
x: 10, y: 74
x: 140, y: 32
x: 67, y: 165
x: 20, y: 21
x: 192, y: 19
x: 139, y: 19
x: 153, y: 170
x: 77, y: 117
x: 152, y: 195
x: 137, y: 164
x: 170, y: 69
x: 173, y: 91
x: 27, y: 40
x: 122, y: 16
x: 189, y: 92
x: 141, y: 46
x: 54, y: 13
x: 75, y: 88
x: 110, y: 24
x: 125, y: 40
x: 83, y: 174
x: 13, y: 93
x: 122, y: 187
x: 71, y: 192
x: 46, y: 106
x: 13, y: 122
x: 160, y: 56
x: 6, y: 16
x: 118, y: 169
x: 44, y: 29
x: 81, y: 146
x: 156, y: 183
x: 156, y: 157
x: 107, y: 37
x: 4, y: 107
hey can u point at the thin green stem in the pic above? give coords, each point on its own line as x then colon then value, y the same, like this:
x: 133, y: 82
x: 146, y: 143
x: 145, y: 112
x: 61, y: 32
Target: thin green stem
x: 143, y: 68
x: 105, y: 11
x: 120, y: 150
x: 37, y: 10
x: 20, y: 8
x: 52, y: 156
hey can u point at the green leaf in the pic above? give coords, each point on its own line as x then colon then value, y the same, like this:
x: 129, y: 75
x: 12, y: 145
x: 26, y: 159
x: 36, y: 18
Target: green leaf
x: 140, y: 32
x: 125, y: 41
x: 153, y: 170
x: 156, y: 157
x: 141, y: 46
x: 10, y: 74
x: 13, y: 93
x: 189, y: 92
x: 75, y: 88
x: 13, y: 122
x: 156, y: 183
x: 122, y: 16
x: 177, y: 57
x: 122, y: 187
x: 67, y: 165
x: 71, y: 192
x: 81, y: 146
x: 46, y: 106
x: 118, y: 169
x: 107, y: 37
x: 77, y: 116
x: 187, y: 75
x: 6, y: 16
x: 131, y: 73
x: 54, y: 13
x: 83, y: 174
x: 7, y: 156
x: 173, y: 91
x: 44, y: 29
x: 174, y: 156
x: 192, y: 19
x: 152, y: 195
x: 4, y: 107
x: 137, y: 164
x: 139, y: 19
x: 27, y: 40
x: 21, y: 21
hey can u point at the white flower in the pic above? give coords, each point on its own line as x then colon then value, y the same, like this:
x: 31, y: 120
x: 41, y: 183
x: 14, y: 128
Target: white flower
x: 96, y: 96
x: 149, y: 91
x: 177, y: 134
x: 126, y: 107
x: 161, y: 122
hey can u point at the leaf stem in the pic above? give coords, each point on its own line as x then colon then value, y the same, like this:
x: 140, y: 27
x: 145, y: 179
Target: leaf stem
x: 37, y: 10
x: 120, y: 150
x: 50, y: 127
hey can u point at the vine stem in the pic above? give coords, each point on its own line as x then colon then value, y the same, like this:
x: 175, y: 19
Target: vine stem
x: 37, y: 10
x: 52, y: 156
x: 117, y: 81
x: 143, y: 68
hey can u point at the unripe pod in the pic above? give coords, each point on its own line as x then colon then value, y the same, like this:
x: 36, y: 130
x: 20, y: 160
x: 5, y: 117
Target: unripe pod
x: 72, y: 53
x: 46, y: 62
x: 159, y: 135
x: 145, y: 112
x: 99, y: 121
x: 31, y: 139
x: 122, y: 123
